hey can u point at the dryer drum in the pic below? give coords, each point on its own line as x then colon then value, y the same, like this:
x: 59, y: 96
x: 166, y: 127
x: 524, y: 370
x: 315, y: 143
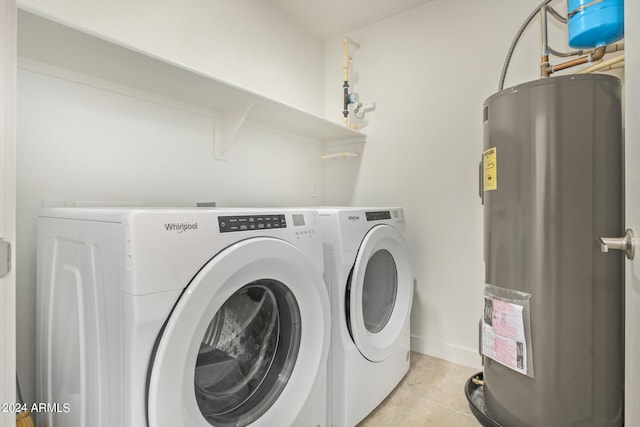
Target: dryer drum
x: 249, y: 347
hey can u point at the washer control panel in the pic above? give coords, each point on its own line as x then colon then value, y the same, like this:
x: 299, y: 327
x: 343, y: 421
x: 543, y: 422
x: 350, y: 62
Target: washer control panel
x: 229, y: 224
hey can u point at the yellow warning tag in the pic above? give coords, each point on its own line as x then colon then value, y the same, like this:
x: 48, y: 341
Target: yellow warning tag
x: 489, y: 169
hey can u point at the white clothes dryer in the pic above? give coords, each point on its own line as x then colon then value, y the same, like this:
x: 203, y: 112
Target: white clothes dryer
x: 370, y: 282
x: 181, y: 317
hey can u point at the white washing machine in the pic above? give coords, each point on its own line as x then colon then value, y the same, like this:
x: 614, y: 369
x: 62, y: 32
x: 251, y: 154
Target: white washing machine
x: 370, y: 282
x: 181, y: 318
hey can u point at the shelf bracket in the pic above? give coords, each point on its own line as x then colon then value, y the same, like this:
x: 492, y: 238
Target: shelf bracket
x: 227, y: 126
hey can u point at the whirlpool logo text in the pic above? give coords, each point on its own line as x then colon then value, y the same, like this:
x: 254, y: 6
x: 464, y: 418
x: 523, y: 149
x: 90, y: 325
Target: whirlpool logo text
x: 181, y: 227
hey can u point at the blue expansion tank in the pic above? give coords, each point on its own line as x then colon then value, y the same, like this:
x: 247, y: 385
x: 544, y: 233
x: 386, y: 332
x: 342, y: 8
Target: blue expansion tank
x: 594, y: 23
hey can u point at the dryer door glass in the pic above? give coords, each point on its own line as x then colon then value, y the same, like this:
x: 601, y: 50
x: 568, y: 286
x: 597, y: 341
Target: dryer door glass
x: 247, y: 354
x: 379, y: 290
x: 379, y: 293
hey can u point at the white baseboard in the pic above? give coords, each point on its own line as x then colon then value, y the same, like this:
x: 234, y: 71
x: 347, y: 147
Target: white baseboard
x: 447, y: 351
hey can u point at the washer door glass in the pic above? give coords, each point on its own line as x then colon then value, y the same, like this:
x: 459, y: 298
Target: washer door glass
x: 247, y: 354
x: 245, y: 343
x: 379, y: 290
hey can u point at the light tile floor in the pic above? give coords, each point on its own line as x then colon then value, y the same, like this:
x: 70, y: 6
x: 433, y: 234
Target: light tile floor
x: 431, y: 394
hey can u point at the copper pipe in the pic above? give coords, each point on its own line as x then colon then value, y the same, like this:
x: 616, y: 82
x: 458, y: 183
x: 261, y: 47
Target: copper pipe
x: 568, y: 64
x: 595, y: 56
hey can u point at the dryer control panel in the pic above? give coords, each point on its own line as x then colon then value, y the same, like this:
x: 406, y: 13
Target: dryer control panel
x: 378, y: 215
x: 251, y: 222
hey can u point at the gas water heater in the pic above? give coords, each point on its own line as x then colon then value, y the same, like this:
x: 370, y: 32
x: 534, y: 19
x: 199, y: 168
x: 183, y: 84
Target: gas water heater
x: 552, y: 185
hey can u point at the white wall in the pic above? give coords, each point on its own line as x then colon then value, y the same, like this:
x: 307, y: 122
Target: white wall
x: 249, y: 43
x: 83, y: 144
x: 429, y: 71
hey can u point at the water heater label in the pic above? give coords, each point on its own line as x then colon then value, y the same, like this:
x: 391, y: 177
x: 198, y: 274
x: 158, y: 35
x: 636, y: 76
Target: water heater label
x: 489, y: 169
x: 503, y: 337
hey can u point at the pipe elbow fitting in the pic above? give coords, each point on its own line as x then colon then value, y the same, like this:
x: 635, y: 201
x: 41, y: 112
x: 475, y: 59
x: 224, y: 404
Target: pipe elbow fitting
x: 597, y: 54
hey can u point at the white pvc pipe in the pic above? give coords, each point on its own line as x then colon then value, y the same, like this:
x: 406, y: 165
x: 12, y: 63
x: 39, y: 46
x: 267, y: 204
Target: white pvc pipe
x: 601, y: 65
x: 345, y: 77
x: 340, y: 155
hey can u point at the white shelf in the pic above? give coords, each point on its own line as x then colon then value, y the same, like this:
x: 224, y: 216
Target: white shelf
x: 52, y: 48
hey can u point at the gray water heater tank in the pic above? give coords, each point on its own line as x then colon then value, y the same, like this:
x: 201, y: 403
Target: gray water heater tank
x: 553, y: 187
